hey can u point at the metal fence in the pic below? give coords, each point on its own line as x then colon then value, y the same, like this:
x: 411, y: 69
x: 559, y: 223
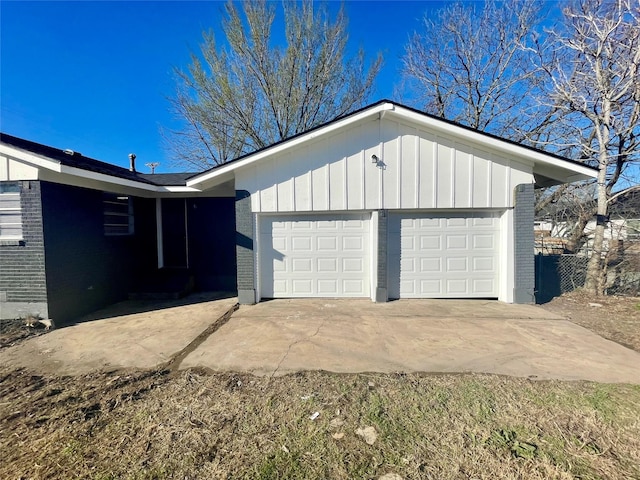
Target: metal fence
x: 558, y: 274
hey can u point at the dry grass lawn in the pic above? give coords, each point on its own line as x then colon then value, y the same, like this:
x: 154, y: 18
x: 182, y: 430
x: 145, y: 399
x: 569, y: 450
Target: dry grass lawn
x: 156, y: 424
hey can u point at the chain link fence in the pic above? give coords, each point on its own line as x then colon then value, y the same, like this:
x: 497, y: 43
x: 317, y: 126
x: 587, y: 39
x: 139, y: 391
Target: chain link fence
x: 558, y: 274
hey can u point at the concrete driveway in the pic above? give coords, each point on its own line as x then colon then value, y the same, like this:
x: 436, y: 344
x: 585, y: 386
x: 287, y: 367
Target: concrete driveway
x: 283, y: 336
x: 354, y: 335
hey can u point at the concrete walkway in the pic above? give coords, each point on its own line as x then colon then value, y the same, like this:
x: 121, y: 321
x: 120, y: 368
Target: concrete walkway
x: 349, y: 335
x: 141, y: 334
x: 283, y: 336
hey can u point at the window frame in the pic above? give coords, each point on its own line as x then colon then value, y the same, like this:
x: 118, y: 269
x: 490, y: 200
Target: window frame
x: 11, y: 195
x: 117, y: 206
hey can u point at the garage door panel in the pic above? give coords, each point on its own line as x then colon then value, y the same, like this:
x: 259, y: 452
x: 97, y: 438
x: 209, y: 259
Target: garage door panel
x: 440, y: 255
x: 456, y: 222
x: 301, y: 265
x: 458, y: 264
x: 483, y: 241
x: 327, y: 244
x: 484, y: 286
x: 301, y: 286
x: 279, y: 243
x: 314, y: 255
x: 326, y: 224
x: 353, y: 287
x: 457, y: 287
x: 430, y: 242
x: 430, y: 287
x: 482, y: 222
x: 327, y: 287
x: 456, y: 242
x: 327, y: 265
x: 484, y: 264
x: 300, y: 225
x: 352, y: 265
x: 430, y: 265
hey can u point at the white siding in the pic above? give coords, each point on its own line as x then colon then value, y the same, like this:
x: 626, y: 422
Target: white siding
x: 418, y: 170
x: 11, y: 169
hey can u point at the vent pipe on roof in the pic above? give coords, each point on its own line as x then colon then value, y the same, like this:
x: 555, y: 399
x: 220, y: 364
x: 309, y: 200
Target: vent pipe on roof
x: 132, y: 162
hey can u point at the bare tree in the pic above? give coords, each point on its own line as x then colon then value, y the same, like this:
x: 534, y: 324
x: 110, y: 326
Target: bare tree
x: 595, y: 96
x: 252, y: 92
x: 472, y: 66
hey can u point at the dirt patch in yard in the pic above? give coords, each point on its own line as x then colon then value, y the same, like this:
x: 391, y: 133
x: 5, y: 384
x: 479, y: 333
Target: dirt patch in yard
x: 611, y: 317
x: 13, y: 332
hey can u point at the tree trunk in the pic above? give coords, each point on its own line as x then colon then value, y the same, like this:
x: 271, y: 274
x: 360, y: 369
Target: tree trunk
x: 594, y: 282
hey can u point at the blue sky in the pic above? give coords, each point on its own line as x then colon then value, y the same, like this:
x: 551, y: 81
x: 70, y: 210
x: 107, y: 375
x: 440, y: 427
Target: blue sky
x: 95, y: 76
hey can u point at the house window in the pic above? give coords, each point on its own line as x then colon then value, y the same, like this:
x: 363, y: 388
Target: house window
x: 10, y: 211
x: 118, y: 214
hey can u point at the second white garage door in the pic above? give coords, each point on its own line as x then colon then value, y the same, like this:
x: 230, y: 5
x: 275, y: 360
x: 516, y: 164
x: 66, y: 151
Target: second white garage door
x: 453, y: 255
x: 314, y: 255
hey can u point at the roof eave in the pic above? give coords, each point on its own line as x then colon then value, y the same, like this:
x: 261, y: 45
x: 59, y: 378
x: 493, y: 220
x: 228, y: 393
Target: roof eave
x: 59, y: 168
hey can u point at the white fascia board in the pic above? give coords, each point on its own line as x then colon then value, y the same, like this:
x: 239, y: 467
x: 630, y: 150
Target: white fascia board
x: 102, y: 177
x: 58, y: 167
x: 178, y: 189
x: 30, y: 158
x: 494, y: 143
x: 286, y: 145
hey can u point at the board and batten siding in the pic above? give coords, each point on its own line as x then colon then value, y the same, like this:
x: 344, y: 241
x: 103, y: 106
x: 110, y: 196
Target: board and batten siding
x: 417, y: 169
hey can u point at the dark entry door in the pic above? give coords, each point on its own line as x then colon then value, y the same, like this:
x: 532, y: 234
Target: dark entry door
x: 174, y: 233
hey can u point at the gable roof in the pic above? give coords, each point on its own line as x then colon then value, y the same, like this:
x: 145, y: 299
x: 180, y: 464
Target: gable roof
x: 573, y: 170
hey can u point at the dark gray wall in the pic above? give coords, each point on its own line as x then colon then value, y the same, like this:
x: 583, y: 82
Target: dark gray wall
x: 244, y: 248
x: 212, y: 243
x: 524, y: 260
x: 87, y: 270
x: 22, y: 264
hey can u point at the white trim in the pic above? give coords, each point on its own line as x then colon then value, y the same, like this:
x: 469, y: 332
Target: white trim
x: 36, y: 160
x: 159, y: 243
x: 186, y: 232
x: 507, y: 257
x: 373, y: 255
x: 257, y: 257
x: 58, y: 167
x: 14, y: 211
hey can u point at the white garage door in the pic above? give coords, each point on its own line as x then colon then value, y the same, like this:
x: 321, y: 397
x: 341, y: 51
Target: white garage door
x: 443, y: 255
x: 314, y: 256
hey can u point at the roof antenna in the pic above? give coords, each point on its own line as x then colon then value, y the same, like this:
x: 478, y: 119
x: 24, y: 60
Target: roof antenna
x: 132, y: 162
x: 152, y: 166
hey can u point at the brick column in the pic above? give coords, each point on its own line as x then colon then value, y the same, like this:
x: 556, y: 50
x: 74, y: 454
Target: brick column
x: 382, y: 292
x: 245, y: 257
x: 524, y: 260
